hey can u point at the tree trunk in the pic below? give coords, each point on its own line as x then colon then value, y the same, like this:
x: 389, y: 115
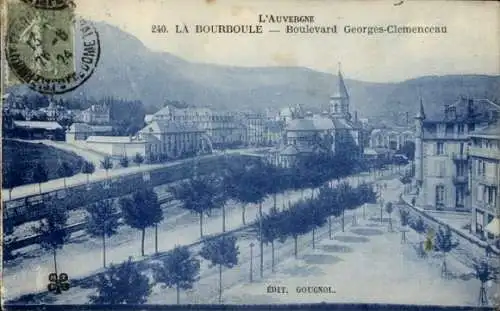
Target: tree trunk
x: 201, y: 224
x: 330, y: 227
x: 40, y: 187
x: 104, y: 250
x: 88, y: 178
x: 295, y: 245
x: 381, y: 216
x: 302, y: 193
x: 272, y: 256
x: 178, y: 294
x: 10, y: 193
x: 243, y: 208
x: 390, y: 223
x: 223, y: 217
x: 142, y: 241
x: 274, y: 201
x: 444, y: 269
x: 64, y: 181
x: 343, y: 220
x: 313, y: 233
x: 261, y: 242
x: 55, y: 260
x: 220, y: 283
x: 364, y: 210
x: 156, y: 238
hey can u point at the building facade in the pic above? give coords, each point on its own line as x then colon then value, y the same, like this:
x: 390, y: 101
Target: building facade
x: 441, y: 162
x: 484, y: 182
x: 174, y: 139
x: 223, y: 128
x: 119, y: 146
x: 81, y: 131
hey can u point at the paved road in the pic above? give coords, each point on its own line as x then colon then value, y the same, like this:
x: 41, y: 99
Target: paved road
x: 80, y: 179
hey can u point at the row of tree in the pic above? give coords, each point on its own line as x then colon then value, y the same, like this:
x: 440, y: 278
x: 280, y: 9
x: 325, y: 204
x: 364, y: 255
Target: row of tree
x: 306, y: 215
x: 179, y: 269
x: 12, y: 178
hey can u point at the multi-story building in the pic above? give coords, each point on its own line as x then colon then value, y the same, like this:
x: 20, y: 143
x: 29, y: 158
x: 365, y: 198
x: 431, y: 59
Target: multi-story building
x: 484, y: 185
x: 97, y: 114
x: 253, y: 123
x: 174, y: 139
x: 441, y: 164
x: 223, y: 128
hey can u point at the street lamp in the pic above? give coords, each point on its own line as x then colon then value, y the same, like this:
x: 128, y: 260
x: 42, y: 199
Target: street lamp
x: 251, y: 261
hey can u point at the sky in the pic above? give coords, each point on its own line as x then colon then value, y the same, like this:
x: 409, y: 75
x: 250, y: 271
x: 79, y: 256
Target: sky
x: 471, y: 45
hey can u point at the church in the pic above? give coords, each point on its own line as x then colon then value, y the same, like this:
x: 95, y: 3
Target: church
x: 329, y: 132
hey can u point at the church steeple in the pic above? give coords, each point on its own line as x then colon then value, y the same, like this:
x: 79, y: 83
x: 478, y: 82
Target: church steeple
x: 420, y: 113
x: 339, y: 100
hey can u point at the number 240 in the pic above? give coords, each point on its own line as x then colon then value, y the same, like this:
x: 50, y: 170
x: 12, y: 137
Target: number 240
x: 158, y: 29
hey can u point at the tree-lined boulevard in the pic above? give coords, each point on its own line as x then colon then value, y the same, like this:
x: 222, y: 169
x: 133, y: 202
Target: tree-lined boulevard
x: 280, y: 214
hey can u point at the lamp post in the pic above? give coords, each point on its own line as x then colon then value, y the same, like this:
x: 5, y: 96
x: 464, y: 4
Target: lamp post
x: 251, y: 261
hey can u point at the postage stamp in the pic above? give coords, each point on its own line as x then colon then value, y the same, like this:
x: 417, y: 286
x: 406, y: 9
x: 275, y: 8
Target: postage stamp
x: 52, y: 51
x: 50, y: 4
x: 251, y: 154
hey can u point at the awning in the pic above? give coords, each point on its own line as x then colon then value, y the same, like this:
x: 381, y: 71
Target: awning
x: 494, y: 226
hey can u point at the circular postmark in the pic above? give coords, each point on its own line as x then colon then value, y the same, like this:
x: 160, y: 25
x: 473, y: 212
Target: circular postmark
x: 51, y: 52
x: 50, y: 4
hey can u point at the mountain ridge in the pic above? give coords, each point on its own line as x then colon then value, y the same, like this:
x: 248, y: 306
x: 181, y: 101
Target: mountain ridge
x: 129, y: 70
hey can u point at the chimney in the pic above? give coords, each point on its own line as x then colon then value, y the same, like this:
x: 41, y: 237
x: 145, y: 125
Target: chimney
x: 470, y: 107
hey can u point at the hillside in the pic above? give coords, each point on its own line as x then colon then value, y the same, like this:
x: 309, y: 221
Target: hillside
x: 131, y: 71
x: 27, y: 154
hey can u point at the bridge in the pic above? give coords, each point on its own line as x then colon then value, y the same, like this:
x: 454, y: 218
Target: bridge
x: 28, y: 203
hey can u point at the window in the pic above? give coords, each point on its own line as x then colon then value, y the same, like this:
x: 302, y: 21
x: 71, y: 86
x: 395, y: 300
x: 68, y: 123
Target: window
x: 490, y: 195
x: 480, y: 167
x: 439, y: 196
x: 479, y: 221
x: 440, y: 168
x: 461, y: 129
x: 439, y: 148
x: 479, y: 197
x: 460, y: 196
x: 449, y: 129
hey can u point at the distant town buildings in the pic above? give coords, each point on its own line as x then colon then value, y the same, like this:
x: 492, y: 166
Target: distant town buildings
x: 390, y: 138
x: 441, y: 160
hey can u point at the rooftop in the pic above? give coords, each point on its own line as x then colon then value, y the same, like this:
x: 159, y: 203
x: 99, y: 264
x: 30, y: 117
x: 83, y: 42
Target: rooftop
x: 464, y: 110
x: 490, y: 131
x: 114, y: 139
x: 38, y: 125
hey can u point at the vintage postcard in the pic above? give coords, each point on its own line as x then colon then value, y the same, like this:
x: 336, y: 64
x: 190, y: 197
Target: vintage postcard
x: 169, y: 154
